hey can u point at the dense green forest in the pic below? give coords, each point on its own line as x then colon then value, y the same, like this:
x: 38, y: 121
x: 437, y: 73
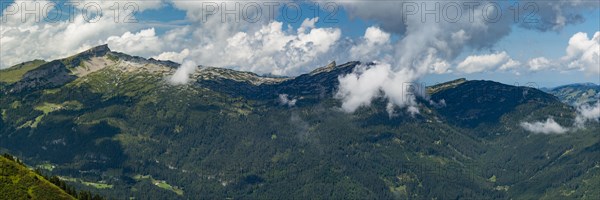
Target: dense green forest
x: 123, y: 131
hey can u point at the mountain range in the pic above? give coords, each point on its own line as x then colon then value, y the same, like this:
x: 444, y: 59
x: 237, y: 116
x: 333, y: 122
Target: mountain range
x: 577, y: 94
x: 114, y: 124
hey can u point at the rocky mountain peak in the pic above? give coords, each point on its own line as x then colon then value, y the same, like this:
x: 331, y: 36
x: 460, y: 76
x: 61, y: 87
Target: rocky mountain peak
x: 445, y: 85
x: 97, y: 51
x: 329, y: 67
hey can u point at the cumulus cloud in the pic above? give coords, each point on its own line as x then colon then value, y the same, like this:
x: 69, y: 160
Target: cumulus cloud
x: 583, y: 52
x: 264, y: 46
x: 182, y: 75
x: 440, y: 67
x: 487, y: 62
x: 144, y: 43
x: 261, y: 46
x: 539, y: 63
x: 173, y: 56
x: 271, y: 49
x: 548, y: 127
x: 374, y: 44
x: 587, y: 113
x: 27, y: 39
x: 427, y: 46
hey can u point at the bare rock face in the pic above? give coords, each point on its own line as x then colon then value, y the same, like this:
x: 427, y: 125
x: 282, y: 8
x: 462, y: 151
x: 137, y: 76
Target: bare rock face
x: 49, y: 75
x: 98, y: 51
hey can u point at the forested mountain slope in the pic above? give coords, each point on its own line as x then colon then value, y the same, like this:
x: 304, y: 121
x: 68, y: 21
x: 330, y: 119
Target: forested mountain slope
x: 112, y: 123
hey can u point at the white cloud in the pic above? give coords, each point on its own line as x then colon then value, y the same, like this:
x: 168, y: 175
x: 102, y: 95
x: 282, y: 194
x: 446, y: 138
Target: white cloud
x: 428, y: 45
x: 587, y: 113
x: 583, y: 53
x: 548, y: 127
x: 182, y: 75
x: 173, y: 56
x: 551, y: 15
x: 286, y: 101
x: 487, y: 62
x: 270, y: 49
x: 540, y: 63
x: 510, y: 64
x: 368, y: 82
x: 359, y: 89
x: 374, y: 44
x: 144, y: 43
x: 440, y: 67
x: 24, y: 41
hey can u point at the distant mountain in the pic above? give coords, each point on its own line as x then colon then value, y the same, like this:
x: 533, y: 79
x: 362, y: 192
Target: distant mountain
x: 113, y: 124
x: 471, y: 103
x: 576, y: 94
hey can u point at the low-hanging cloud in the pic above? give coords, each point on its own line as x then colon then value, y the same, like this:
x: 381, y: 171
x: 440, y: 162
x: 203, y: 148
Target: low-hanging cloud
x: 548, y: 127
x: 182, y: 75
x: 428, y: 44
x: 379, y: 80
x: 425, y: 45
x: 587, y: 113
x: 285, y: 100
x: 173, y: 56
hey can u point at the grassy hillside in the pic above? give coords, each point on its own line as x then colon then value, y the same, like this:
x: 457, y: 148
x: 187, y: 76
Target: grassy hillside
x: 18, y: 182
x: 14, y: 74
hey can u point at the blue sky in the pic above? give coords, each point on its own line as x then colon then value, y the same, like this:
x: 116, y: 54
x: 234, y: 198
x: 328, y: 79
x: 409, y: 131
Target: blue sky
x: 521, y: 44
x: 525, y: 44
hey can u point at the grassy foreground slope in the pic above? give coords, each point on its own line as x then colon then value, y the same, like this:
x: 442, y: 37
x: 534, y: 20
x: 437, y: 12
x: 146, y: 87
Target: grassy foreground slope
x: 18, y: 182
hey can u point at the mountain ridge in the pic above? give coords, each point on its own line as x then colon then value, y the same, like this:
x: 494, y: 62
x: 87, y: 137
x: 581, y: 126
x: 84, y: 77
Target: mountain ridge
x: 121, y: 129
x: 577, y: 94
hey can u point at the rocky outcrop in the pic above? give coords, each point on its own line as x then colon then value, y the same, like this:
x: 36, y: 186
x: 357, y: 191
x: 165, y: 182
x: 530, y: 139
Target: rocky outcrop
x: 49, y: 75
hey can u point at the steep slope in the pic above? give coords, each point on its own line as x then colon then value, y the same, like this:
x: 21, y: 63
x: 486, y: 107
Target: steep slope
x: 18, y: 182
x: 119, y: 128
